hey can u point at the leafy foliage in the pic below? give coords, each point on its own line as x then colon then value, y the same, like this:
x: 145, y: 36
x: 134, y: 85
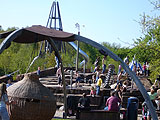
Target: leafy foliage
x: 147, y: 48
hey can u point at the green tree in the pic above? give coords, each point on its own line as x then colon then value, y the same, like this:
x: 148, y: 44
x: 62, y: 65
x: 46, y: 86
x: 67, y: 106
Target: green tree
x: 147, y: 48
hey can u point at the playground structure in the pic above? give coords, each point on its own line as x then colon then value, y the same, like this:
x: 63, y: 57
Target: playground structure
x: 27, y: 35
x: 51, y: 34
x: 55, y: 22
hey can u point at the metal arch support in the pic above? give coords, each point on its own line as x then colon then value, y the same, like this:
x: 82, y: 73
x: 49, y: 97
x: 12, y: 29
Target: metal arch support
x: 128, y: 70
x: 51, y: 41
x: 9, y: 39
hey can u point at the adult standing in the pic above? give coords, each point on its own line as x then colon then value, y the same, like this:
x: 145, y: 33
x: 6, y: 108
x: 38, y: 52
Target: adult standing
x: 96, y: 63
x: 3, y: 101
x: 103, y: 64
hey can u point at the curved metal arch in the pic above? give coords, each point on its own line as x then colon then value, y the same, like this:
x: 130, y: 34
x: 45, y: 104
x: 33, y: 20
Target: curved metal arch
x: 16, y: 33
x: 128, y: 70
x: 7, y: 41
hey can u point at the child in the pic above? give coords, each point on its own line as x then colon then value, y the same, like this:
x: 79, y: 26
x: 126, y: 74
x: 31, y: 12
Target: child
x: 92, y: 92
x: 38, y: 71
x: 99, y: 83
x: 138, y: 71
x: 78, y: 78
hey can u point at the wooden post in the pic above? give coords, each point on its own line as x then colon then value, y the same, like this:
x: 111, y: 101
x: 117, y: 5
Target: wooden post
x: 63, y: 75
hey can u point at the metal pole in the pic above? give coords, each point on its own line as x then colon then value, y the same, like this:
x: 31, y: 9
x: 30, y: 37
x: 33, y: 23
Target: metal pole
x: 77, y: 53
x: 77, y: 26
x: 84, y: 68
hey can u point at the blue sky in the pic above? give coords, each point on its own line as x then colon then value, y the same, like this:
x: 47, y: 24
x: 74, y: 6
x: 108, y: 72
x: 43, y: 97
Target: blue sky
x: 110, y: 21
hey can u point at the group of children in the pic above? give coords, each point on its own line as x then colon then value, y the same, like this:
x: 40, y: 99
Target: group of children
x: 96, y: 91
x: 97, y: 66
x: 144, y: 71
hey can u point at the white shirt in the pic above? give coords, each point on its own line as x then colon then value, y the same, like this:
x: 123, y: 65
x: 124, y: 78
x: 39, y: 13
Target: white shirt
x: 126, y: 60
